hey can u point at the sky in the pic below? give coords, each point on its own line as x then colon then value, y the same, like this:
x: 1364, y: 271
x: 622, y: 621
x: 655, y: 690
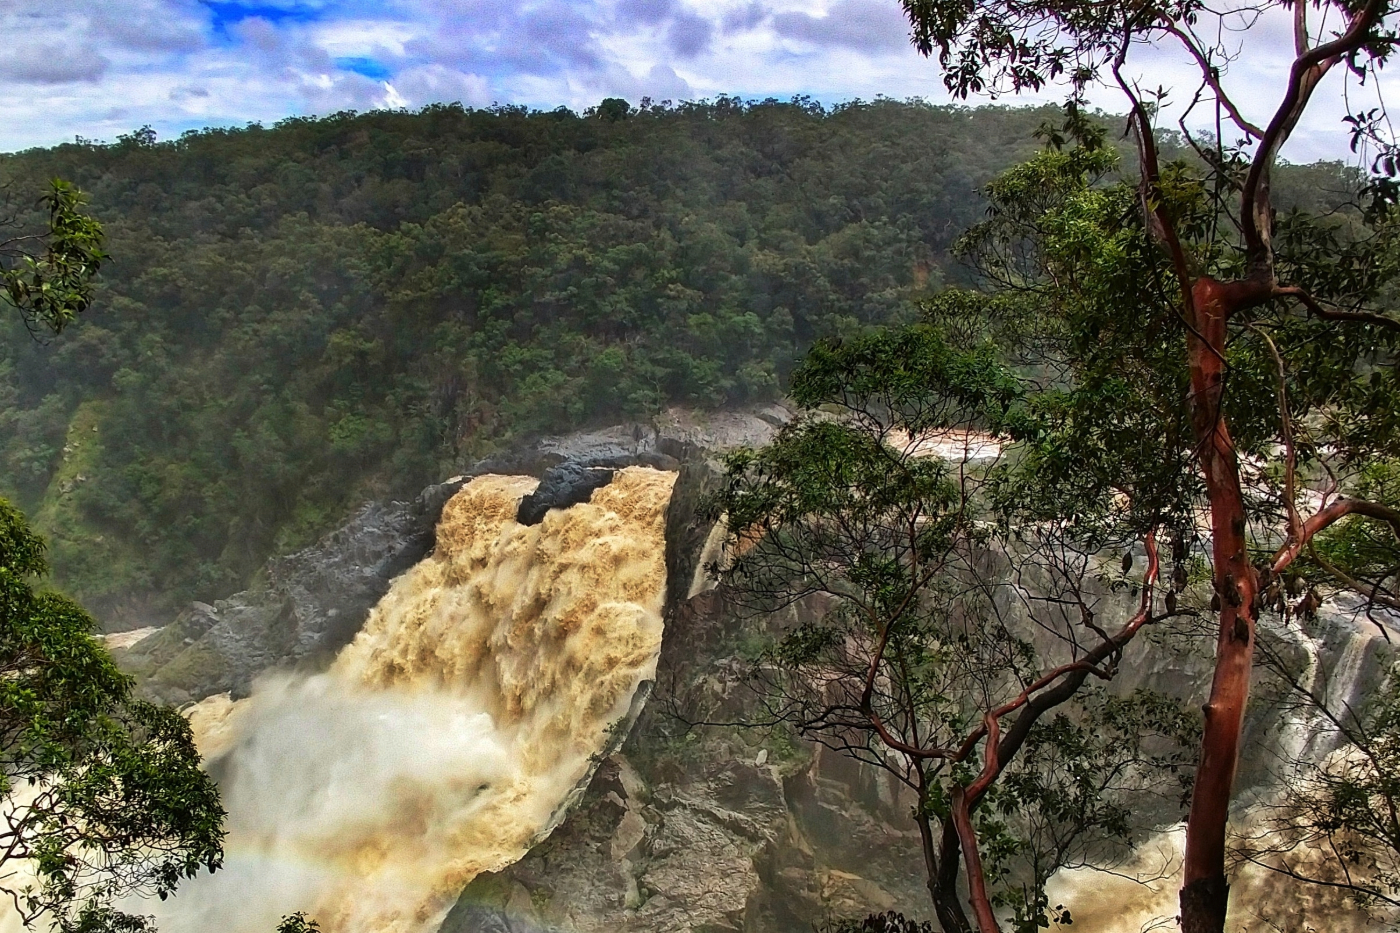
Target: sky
x: 101, y: 68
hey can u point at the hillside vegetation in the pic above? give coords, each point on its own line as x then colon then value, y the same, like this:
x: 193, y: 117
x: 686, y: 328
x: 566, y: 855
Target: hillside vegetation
x: 301, y: 317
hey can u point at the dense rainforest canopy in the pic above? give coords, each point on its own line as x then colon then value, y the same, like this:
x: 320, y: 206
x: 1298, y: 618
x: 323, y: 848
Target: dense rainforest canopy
x: 298, y: 318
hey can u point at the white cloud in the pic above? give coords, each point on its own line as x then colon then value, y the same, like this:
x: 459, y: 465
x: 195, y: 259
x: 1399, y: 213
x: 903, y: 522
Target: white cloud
x: 864, y: 25
x: 98, y: 68
x: 426, y: 84
x: 366, y: 36
x: 53, y: 63
x: 149, y: 26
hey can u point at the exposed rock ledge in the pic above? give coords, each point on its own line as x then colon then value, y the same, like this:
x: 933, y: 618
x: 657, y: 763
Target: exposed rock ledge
x: 724, y: 832
x: 312, y: 603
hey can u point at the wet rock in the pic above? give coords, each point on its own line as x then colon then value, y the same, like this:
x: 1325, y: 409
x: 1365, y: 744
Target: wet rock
x: 565, y: 485
x: 311, y: 605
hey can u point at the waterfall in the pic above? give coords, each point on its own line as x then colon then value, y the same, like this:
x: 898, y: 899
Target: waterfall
x: 446, y: 738
x: 1342, y: 659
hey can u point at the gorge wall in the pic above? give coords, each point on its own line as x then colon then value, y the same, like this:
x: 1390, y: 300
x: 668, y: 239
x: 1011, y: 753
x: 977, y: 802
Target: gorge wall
x: 302, y: 681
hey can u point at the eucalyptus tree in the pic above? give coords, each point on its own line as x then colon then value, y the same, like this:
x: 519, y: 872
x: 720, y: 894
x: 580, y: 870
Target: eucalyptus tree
x: 918, y: 631
x: 1248, y: 348
x: 46, y: 273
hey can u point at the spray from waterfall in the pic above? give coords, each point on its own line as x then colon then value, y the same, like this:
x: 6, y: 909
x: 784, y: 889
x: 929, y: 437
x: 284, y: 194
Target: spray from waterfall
x: 443, y: 741
x: 1142, y: 894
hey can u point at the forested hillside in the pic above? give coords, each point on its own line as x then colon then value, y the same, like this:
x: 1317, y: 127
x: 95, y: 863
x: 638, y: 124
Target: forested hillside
x: 301, y: 317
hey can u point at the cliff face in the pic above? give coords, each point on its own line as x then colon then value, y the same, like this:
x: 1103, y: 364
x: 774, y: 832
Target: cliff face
x: 712, y: 829
x: 311, y: 604
x: 715, y: 828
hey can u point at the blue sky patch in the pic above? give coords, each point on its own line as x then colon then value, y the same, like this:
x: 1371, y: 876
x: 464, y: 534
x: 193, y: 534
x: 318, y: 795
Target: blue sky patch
x: 363, y: 66
x: 229, y: 12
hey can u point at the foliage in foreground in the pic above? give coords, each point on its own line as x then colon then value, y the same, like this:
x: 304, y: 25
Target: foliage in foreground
x: 941, y: 642
x: 1194, y: 317
x: 888, y: 922
x: 1283, y: 457
x: 298, y: 923
x: 52, y: 284
x: 103, y: 794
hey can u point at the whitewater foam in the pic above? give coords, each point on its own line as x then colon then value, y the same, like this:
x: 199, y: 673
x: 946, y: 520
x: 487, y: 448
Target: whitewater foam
x: 442, y: 741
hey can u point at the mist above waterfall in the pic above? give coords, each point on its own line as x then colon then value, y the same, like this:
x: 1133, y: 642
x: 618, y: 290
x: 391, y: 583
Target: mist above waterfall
x: 445, y: 738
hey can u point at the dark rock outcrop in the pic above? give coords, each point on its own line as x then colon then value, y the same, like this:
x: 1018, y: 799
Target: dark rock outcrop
x: 310, y: 606
x: 565, y: 485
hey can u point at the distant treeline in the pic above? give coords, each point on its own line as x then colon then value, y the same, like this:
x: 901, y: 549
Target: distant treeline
x: 300, y: 317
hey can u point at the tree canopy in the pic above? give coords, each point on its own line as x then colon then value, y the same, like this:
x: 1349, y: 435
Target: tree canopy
x: 307, y: 315
x: 102, y: 793
x: 1216, y: 355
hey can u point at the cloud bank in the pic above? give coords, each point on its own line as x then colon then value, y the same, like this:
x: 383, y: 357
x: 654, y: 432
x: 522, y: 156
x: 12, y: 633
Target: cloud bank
x: 100, y: 68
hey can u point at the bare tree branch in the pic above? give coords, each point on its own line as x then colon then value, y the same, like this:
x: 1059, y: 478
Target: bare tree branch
x: 1211, y: 75
x: 1307, y: 70
x: 1326, y: 517
x: 1332, y: 314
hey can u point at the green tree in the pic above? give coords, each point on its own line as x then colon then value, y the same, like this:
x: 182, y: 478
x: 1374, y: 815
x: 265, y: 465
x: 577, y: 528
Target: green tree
x: 614, y: 109
x: 1248, y: 330
x: 937, y: 640
x: 103, y: 793
x: 298, y: 923
x: 48, y: 276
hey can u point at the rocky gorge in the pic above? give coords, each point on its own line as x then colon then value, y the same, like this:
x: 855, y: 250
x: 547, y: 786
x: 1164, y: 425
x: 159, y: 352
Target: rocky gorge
x: 714, y: 829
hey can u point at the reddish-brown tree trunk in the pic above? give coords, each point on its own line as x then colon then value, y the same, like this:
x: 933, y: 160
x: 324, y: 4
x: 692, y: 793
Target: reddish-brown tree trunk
x: 941, y: 866
x: 942, y: 869
x: 1205, y: 892
x: 976, y: 879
